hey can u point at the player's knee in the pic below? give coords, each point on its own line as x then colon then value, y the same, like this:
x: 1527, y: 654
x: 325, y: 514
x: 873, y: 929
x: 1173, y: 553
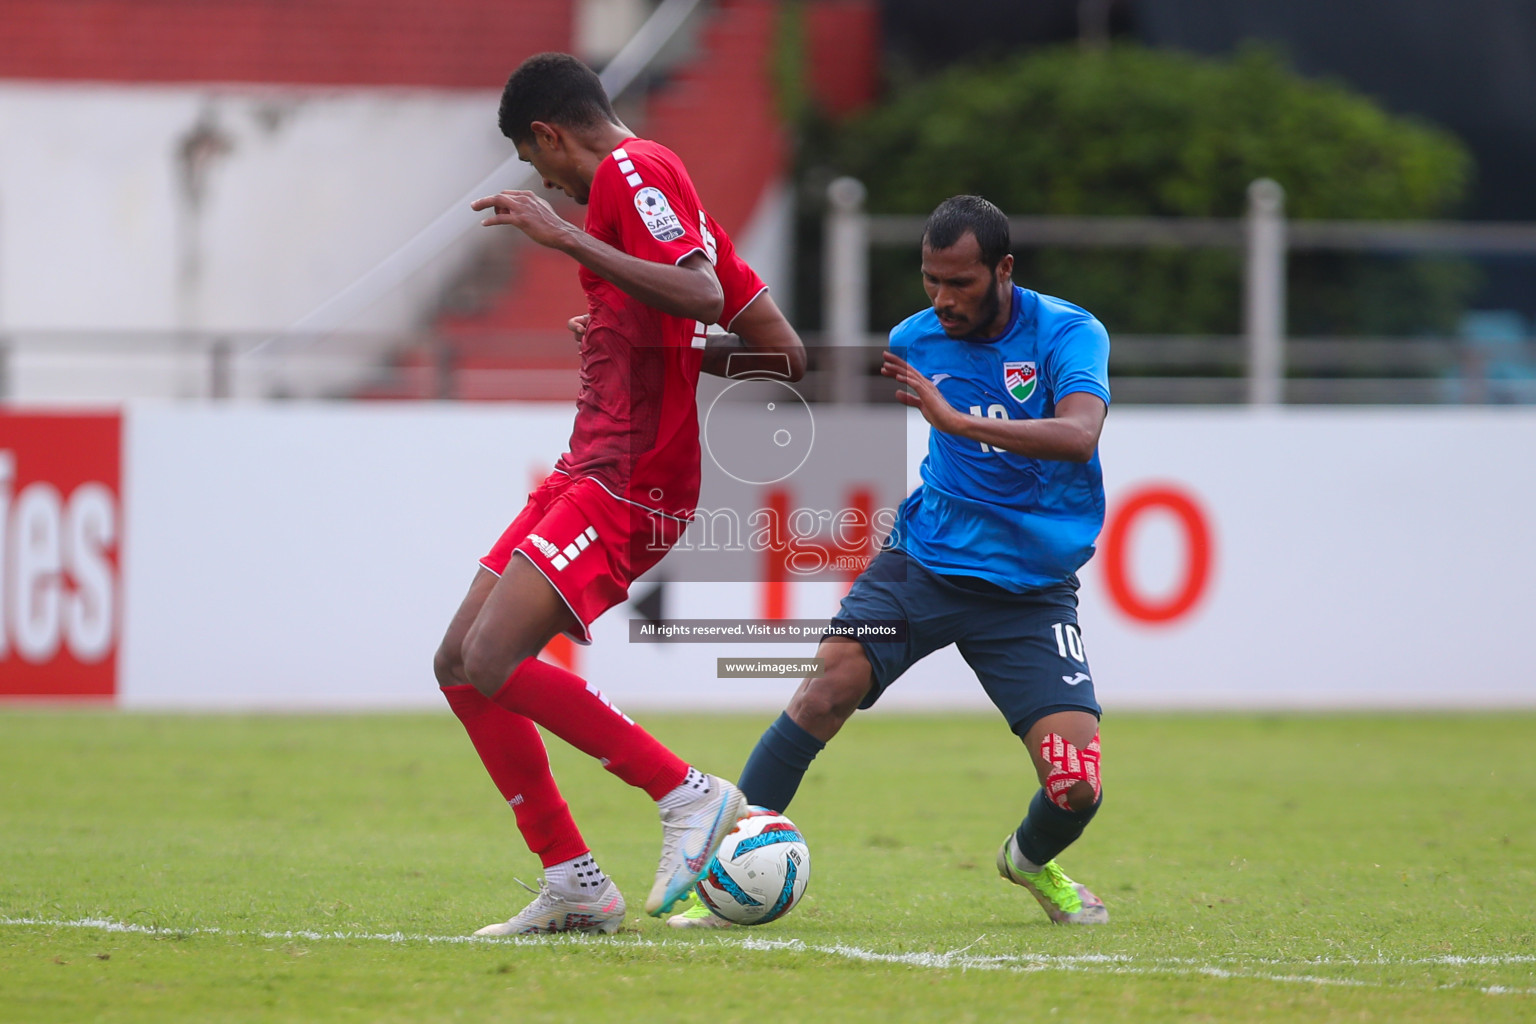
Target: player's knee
x: 487, y: 662
x: 1081, y: 797
x: 832, y: 697
x: 448, y: 665
x: 480, y: 673
x: 818, y: 704
x: 1072, y: 778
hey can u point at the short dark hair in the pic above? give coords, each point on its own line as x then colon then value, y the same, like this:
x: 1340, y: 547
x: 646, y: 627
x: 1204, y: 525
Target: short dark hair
x: 555, y: 88
x: 956, y: 216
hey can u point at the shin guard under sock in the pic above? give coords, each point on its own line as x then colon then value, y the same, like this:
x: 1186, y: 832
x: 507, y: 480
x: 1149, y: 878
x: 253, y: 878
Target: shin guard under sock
x: 513, y: 753
x: 1047, y: 829
x: 778, y: 763
x: 572, y: 709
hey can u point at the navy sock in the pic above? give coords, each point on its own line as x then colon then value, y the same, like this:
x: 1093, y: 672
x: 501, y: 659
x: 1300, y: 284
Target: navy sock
x: 1047, y: 829
x: 778, y: 763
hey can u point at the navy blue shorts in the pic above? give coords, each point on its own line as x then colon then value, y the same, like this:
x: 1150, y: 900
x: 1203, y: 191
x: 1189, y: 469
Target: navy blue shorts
x: 1025, y: 648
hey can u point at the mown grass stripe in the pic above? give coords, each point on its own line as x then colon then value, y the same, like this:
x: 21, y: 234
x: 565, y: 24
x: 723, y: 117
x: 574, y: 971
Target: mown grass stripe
x: 1098, y: 963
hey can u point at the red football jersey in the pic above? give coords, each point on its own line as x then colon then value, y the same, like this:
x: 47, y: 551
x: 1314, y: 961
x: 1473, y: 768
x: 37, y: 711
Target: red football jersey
x: 637, y: 422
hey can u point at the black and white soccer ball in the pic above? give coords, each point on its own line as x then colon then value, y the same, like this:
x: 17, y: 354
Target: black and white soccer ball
x: 760, y: 872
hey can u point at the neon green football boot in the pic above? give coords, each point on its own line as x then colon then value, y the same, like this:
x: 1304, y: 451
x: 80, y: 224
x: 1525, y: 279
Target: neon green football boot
x: 696, y: 915
x: 1065, y: 901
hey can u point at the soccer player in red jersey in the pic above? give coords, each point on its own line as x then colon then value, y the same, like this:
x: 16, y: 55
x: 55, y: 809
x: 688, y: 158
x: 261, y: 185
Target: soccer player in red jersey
x: 656, y: 270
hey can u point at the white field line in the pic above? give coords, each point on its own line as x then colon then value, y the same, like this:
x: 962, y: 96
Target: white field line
x: 1096, y: 963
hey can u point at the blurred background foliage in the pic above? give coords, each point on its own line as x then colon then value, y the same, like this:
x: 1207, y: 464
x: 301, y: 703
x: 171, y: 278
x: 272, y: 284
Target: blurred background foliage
x: 1129, y: 131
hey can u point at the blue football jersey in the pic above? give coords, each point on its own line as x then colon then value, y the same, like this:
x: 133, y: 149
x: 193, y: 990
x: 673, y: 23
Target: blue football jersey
x: 1018, y: 522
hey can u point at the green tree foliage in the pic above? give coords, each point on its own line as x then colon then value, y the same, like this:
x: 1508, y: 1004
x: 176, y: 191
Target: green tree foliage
x: 1132, y: 131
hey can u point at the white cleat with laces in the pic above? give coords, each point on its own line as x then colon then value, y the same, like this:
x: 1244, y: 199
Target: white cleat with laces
x: 690, y: 835
x: 552, y: 912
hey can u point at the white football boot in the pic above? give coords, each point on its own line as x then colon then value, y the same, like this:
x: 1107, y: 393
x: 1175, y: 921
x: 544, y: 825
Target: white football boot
x: 551, y: 912
x: 690, y: 835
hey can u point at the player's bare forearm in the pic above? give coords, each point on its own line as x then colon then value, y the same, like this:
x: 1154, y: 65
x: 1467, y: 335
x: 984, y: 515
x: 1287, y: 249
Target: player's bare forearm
x: 761, y: 344
x: 1071, y: 435
x: 689, y: 290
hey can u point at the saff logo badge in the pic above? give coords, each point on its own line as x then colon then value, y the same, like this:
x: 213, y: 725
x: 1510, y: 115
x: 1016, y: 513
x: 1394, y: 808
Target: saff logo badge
x: 1020, y: 379
x: 657, y: 213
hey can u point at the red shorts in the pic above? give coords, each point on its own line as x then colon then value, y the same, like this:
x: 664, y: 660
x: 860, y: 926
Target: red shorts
x: 589, y: 544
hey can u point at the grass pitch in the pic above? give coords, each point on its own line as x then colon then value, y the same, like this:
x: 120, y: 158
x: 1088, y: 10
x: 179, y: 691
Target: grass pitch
x: 1375, y: 868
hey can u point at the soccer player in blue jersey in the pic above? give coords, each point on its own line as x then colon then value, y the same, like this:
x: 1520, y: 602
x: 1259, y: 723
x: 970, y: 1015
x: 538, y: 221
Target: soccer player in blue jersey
x: 984, y: 553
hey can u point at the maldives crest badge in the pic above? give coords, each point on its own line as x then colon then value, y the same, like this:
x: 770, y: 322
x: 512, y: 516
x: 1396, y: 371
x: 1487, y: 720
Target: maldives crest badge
x: 1020, y: 379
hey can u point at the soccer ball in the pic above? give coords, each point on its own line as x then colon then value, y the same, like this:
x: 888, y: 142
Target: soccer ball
x: 760, y: 872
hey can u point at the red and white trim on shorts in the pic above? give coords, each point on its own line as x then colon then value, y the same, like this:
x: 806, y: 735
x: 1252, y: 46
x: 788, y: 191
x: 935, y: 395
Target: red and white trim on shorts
x: 1069, y: 766
x: 559, y: 558
x: 580, y: 536
x: 585, y: 637
x: 585, y: 628
x: 653, y: 511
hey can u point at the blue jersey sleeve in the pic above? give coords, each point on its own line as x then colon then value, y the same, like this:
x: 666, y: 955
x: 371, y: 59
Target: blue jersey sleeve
x: 903, y: 334
x: 1078, y: 359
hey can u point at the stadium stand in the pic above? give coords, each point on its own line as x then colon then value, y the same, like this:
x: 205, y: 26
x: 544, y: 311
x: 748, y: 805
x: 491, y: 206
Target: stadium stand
x: 457, y: 44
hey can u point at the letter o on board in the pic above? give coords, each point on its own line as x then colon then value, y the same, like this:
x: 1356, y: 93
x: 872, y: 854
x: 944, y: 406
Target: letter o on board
x: 1197, y: 565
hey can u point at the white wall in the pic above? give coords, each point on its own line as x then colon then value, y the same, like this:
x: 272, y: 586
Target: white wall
x: 302, y: 190
x: 1360, y: 557
x: 602, y: 27
x: 104, y: 226
x: 311, y: 556
x: 113, y: 242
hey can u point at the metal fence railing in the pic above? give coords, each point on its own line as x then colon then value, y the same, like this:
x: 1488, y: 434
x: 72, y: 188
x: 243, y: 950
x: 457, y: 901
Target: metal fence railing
x: 542, y: 366
x: 111, y: 366
x: 1264, y: 365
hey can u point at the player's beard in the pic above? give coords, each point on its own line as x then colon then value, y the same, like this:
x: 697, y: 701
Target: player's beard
x: 987, y: 313
x: 986, y: 316
x: 989, y: 310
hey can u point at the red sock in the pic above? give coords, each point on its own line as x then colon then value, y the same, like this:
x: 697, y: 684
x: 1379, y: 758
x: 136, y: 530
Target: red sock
x: 574, y: 710
x: 513, y: 752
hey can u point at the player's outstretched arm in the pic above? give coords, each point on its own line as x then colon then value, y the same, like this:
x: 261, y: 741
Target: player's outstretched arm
x: 1069, y: 436
x: 689, y: 289
x: 761, y: 344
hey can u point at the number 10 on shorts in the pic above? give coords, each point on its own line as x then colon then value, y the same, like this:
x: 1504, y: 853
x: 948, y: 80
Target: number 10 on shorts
x: 1069, y: 642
